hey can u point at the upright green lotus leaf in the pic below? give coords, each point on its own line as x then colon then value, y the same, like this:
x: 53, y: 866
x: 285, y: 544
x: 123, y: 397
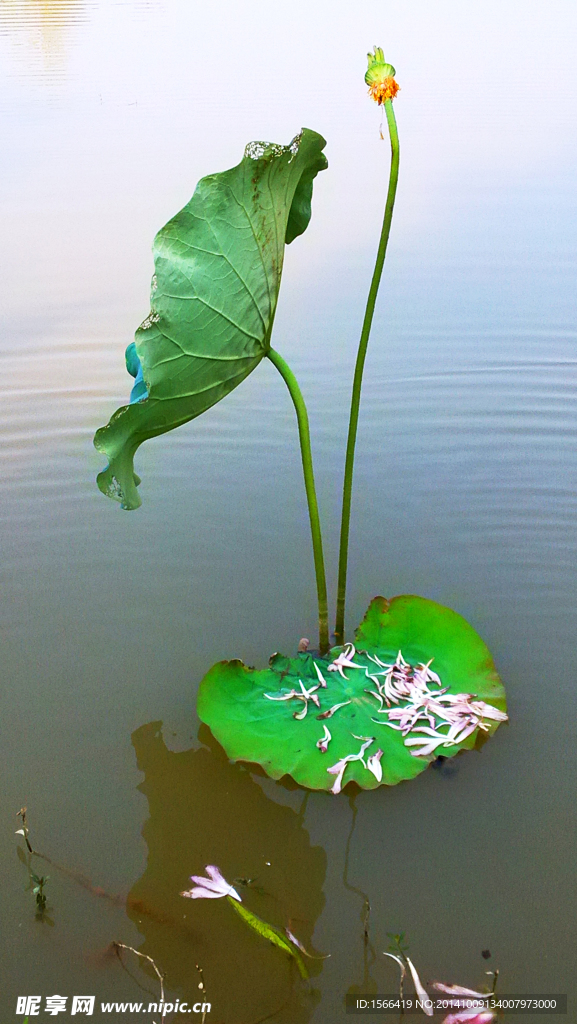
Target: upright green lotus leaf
x: 218, y: 267
x: 278, y: 717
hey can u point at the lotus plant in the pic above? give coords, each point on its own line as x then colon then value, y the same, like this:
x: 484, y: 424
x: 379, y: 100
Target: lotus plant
x: 214, y: 295
x: 213, y: 301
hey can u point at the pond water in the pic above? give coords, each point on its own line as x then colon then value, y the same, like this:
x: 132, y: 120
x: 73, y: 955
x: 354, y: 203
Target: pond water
x: 465, y: 492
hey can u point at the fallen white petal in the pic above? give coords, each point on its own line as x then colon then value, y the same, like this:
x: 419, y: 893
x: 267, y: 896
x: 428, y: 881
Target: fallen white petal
x: 321, y: 678
x: 426, y: 750
x: 324, y: 741
x: 338, y: 770
x: 421, y: 992
x: 488, y: 711
x: 470, y: 1017
x: 401, y: 965
x: 200, y: 893
x: 399, y: 961
x: 331, y: 711
x: 378, y: 696
x: 374, y: 765
x: 457, y: 990
x: 300, y: 946
x: 469, y: 728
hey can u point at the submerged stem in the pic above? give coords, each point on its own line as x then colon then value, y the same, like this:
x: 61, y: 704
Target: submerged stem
x: 358, y: 378
x: 307, y: 462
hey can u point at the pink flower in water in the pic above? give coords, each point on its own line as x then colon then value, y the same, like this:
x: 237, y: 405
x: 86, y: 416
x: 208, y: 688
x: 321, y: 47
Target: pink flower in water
x: 464, y: 1012
x: 211, y: 888
x: 470, y: 1017
x: 458, y: 990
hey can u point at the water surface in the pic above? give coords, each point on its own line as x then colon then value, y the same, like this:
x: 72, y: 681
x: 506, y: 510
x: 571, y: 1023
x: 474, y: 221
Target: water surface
x: 465, y: 492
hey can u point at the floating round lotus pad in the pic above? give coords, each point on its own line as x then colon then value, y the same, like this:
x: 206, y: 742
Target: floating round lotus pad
x: 417, y: 683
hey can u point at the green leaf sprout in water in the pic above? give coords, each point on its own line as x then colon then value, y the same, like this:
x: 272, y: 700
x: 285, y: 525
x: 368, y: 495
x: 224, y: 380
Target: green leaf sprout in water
x: 38, y: 889
x: 418, y: 681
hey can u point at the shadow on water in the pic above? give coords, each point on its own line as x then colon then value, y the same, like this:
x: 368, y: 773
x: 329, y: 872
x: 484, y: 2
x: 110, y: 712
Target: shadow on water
x: 368, y: 983
x: 204, y: 810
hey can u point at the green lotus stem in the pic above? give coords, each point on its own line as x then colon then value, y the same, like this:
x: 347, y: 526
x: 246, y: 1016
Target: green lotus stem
x: 358, y: 378
x: 307, y: 461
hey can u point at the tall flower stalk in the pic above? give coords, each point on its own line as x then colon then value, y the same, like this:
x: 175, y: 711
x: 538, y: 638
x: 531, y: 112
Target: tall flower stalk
x: 382, y: 88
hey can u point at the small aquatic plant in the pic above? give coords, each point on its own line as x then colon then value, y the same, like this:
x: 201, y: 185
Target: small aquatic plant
x: 38, y: 890
x: 218, y: 266
x: 215, y: 886
x: 24, y: 830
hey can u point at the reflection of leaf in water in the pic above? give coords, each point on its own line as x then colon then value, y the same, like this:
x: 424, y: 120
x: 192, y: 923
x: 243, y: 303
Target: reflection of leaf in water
x: 204, y: 810
x: 44, y: 25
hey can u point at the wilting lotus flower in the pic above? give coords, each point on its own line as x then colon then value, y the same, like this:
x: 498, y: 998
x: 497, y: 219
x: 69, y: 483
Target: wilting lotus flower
x: 380, y: 77
x: 211, y: 888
